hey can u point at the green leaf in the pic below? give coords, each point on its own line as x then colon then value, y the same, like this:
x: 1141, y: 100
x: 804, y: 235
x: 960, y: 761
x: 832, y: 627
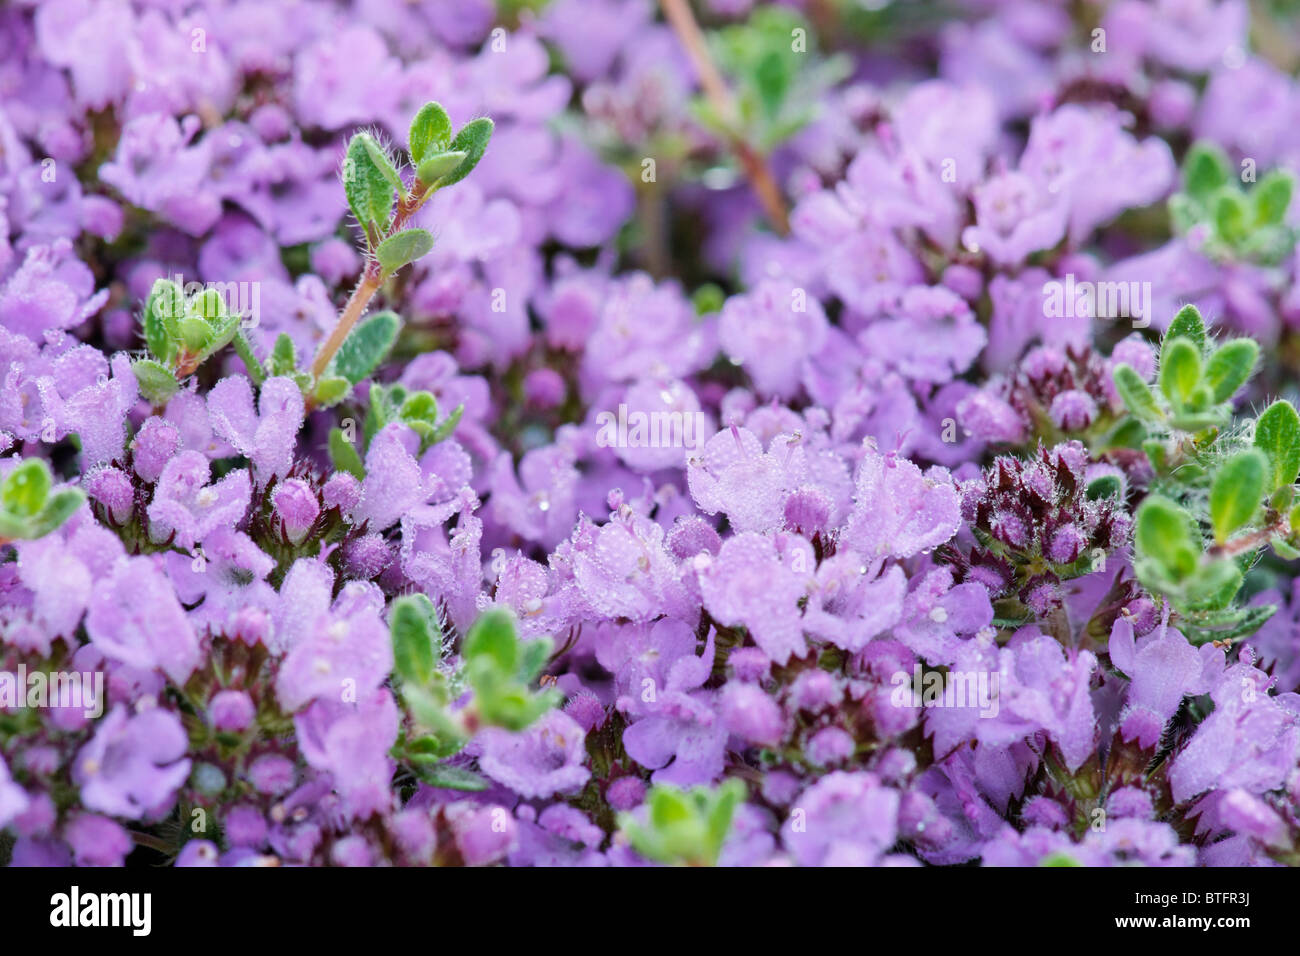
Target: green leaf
x: 430, y: 132
x: 162, y: 313
x: 366, y: 345
x: 684, y: 828
x: 382, y: 408
x: 1137, y: 395
x: 1189, y: 325
x: 406, y: 246
x: 1196, y: 422
x: 1277, y: 435
x: 1206, y: 170
x: 472, y: 140
x: 1284, y: 549
x: 719, y: 815
x: 223, y: 331
x: 1226, y: 625
x: 772, y: 79
x: 417, y: 639
x: 25, y: 488
x: 330, y: 390
x: 669, y: 807
x: 1231, y: 215
x: 195, y: 334
x: 384, y: 164
x: 532, y: 658
x: 1155, y: 451
x: 369, y: 193
x: 438, y: 165
x: 448, y: 425
x: 1239, y: 485
x: 344, y: 454
x: 1105, y: 486
x: 1212, y: 586
x: 419, y: 407
x: 244, y: 349
x: 492, y: 637
x: 283, y: 358
x: 1230, y: 366
x: 58, y: 508
x: 451, y: 778
x: 1180, y: 370
x: 1163, y: 534
x: 1271, y: 198
x: 207, y: 305
x: 157, y: 382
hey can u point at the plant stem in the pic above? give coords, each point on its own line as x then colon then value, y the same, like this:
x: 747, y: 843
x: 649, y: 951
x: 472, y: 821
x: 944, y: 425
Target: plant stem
x: 1249, y: 542
x: 355, y: 308
x: 407, y: 206
x: 679, y: 16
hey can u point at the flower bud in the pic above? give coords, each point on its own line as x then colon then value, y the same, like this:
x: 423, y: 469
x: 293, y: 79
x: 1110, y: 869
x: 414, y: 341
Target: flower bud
x: 1073, y: 410
x: 296, y: 506
x: 112, y: 488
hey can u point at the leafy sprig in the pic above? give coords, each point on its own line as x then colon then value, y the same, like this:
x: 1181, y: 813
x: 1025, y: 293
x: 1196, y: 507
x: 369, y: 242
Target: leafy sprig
x: 494, y: 664
x: 1220, y: 492
x: 384, y: 204
x: 1238, y: 225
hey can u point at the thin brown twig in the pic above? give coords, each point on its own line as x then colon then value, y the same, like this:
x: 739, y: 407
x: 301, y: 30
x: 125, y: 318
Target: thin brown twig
x: 682, y: 20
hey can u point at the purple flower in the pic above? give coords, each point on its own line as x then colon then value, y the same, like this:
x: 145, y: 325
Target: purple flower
x: 295, y: 504
x: 625, y: 572
x: 186, y: 509
x: 750, y: 585
x: 134, y: 764
x: 342, y: 652
x: 844, y: 819
x: 1164, y: 668
x: 898, y: 510
x: 544, y: 759
x: 1016, y: 215
x: 97, y: 841
x: 134, y: 617
x: 13, y: 799
x: 351, y: 741
x: 771, y: 331
x: 266, y: 437
x: 1251, y: 740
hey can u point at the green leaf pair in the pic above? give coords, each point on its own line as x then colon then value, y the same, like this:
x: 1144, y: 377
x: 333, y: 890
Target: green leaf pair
x: 374, y: 185
x: 28, y: 509
x: 388, y: 403
x: 684, y: 828
x: 416, y: 410
x: 1243, y: 225
x: 441, y: 159
x: 1196, y: 380
x: 500, y: 668
x: 181, y: 333
x: 777, y: 80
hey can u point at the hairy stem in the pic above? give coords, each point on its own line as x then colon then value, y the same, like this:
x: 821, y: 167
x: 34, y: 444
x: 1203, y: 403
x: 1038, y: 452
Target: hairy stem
x: 1249, y: 542
x: 679, y: 16
x: 407, y: 206
x: 355, y: 308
